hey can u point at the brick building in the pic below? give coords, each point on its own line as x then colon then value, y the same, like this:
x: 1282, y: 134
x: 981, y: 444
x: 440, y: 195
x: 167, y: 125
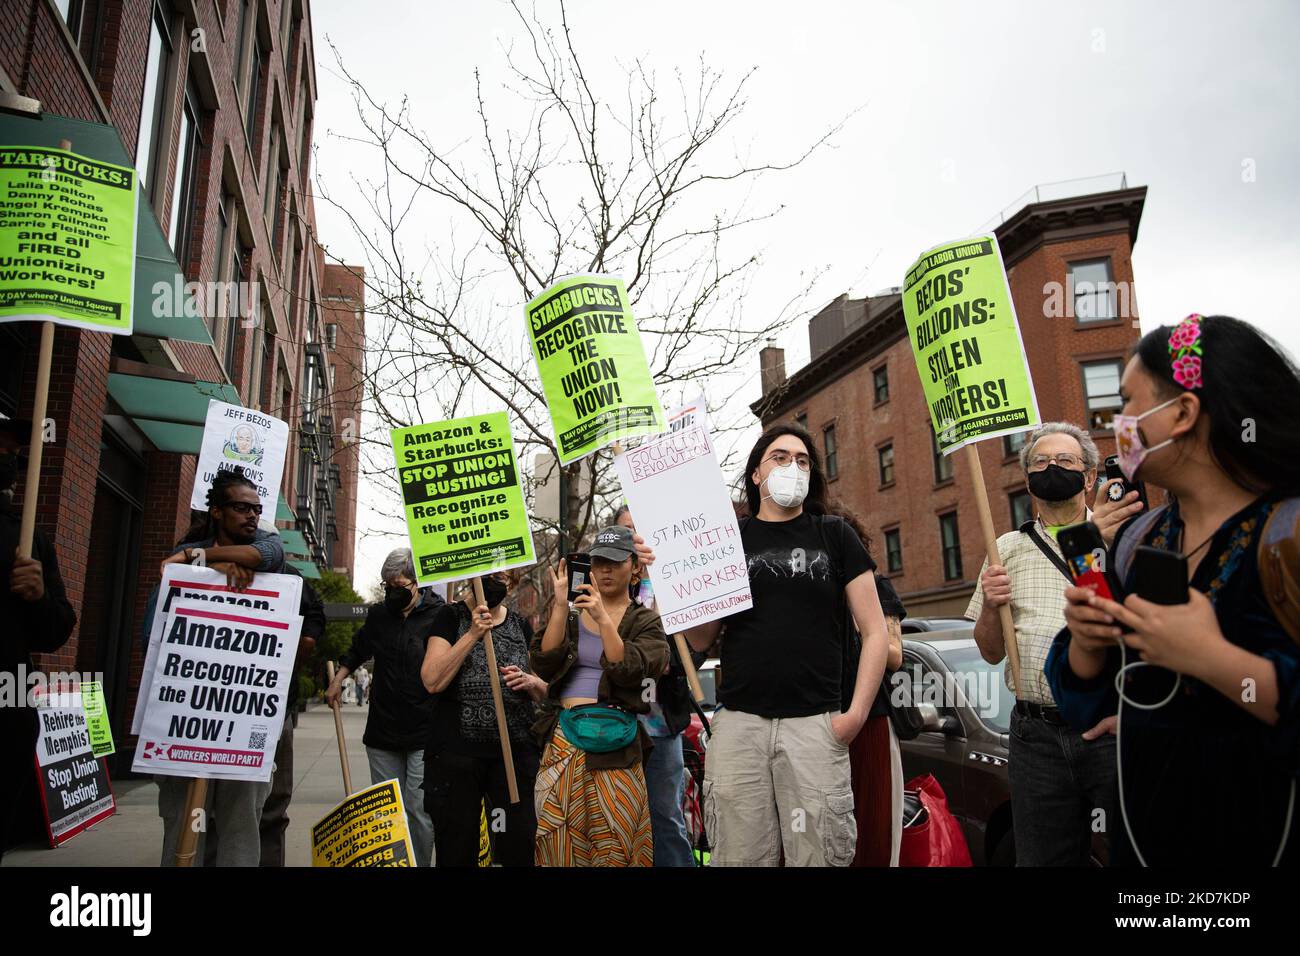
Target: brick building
x: 212, y: 101
x: 1069, y: 263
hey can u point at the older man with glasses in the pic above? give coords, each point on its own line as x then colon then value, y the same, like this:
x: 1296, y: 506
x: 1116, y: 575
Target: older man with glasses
x: 1062, y: 781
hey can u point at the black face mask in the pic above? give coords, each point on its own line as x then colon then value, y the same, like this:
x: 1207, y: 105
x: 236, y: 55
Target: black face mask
x: 494, y: 591
x: 1055, y: 483
x: 10, y: 463
x: 396, y: 599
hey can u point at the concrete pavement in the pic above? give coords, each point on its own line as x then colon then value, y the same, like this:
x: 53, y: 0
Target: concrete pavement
x: 133, y: 835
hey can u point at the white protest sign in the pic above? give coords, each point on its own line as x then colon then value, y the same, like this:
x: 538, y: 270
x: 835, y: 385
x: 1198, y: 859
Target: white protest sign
x: 276, y: 594
x: 679, y: 501
x: 74, y: 786
x: 219, y: 692
x: 235, y: 437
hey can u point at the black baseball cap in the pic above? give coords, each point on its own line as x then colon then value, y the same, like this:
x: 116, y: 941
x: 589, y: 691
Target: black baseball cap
x: 19, y: 429
x: 614, y: 544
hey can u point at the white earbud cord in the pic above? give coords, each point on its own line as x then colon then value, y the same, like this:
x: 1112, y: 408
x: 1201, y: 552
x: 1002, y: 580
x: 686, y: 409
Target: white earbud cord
x: 1125, y: 666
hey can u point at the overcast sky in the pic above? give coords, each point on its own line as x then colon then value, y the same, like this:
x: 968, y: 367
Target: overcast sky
x: 963, y: 107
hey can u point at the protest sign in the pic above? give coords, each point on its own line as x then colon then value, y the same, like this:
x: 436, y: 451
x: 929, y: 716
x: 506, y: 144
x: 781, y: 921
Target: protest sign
x: 278, y: 595
x: 97, y: 722
x: 235, y: 437
x: 217, y: 700
x: 67, y: 245
x: 368, y: 828
x: 462, y: 497
x: 966, y: 341
x: 75, y: 790
x: 592, y: 365
x: 680, y: 503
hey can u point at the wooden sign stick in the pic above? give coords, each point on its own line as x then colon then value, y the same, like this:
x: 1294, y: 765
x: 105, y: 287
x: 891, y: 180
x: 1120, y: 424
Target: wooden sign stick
x: 497, y: 701
x: 679, y: 639
x: 991, y: 546
x: 196, y: 795
x: 338, y: 732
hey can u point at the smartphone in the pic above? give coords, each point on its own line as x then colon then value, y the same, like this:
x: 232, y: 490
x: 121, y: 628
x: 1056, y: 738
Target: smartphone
x: 1160, y: 576
x: 579, y: 567
x: 1122, y: 485
x: 1089, y: 560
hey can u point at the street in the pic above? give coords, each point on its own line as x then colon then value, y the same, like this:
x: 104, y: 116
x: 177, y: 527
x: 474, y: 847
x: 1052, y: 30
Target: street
x: 133, y: 836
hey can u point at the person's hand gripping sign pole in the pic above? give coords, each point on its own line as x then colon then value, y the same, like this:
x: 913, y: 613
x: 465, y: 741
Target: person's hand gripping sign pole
x: 494, y: 675
x: 338, y: 733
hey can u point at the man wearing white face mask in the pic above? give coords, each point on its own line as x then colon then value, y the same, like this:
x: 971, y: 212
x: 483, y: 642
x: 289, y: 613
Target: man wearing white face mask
x: 778, y: 776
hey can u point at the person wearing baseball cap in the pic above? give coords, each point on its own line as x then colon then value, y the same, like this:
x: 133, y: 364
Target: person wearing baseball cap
x: 38, y: 619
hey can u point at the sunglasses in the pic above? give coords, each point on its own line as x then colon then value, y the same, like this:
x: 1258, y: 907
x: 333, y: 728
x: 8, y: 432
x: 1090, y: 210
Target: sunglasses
x: 243, y: 508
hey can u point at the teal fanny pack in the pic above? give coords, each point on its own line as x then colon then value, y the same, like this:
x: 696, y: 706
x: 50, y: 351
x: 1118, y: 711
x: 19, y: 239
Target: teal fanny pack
x: 598, y: 728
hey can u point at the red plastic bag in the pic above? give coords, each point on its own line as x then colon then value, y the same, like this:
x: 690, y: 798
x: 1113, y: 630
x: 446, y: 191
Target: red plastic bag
x: 939, y: 840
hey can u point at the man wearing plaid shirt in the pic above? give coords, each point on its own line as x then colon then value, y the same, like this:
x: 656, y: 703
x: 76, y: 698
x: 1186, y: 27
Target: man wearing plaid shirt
x: 1062, y: 782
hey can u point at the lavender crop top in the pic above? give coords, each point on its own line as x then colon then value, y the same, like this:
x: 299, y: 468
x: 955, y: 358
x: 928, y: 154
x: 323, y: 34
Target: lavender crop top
x: 583, y: 680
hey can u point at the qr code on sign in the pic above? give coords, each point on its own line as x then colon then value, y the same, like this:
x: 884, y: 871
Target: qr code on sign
x: 257, y: 739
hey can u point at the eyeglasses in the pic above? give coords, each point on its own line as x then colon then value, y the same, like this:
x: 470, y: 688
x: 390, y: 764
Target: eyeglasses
x: 1067, y: 461
x: 243, y: 508
x: 783, y: 458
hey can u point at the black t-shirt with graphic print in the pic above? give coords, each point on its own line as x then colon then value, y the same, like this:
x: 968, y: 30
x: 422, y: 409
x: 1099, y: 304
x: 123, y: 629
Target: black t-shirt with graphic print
x: 783, y: 656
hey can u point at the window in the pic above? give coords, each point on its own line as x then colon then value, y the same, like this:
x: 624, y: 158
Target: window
x: 71, y: 11
x: 1101, y: 392
x: 942, y: 462
x: 241, y: 36
x: 880, y: 384
x: 893, y: 551
x: 332, y: 335
x: 272, y: 178
x: 886, y: 453
x: 254, y: 93
x: 832, y: 458
x: 1092, y: 290
x: 222, y: 304
x: 1011, y: 444
x: 151, y: 106
x: 951, y: 542
x: 1022, y: 508
x: 185, y: 185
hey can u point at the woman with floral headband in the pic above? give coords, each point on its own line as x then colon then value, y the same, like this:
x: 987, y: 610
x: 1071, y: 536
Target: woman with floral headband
x: 1209, y: 720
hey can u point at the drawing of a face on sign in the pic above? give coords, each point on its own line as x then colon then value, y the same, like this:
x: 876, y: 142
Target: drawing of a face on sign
x: 244, y: 445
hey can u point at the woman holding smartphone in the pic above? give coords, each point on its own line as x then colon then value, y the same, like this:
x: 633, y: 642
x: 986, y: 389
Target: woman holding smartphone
x: 1209, y: 725
x: 600, y: 663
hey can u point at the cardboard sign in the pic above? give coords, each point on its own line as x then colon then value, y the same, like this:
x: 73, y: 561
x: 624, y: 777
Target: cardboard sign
x: 75, y: 790
x: 962, y: 325
x: 279, y: 595
x: 67, y: 239
x: 97, y: 722
x: 592, y: 365
x: 219, y: 693
x: 462, y: 497
x: 236, y: 437
x: 681, y: 506
x: 369, y: 828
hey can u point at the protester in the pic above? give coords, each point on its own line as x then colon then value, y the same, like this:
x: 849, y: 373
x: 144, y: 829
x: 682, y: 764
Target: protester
x: 463, y: 763
x: 275, y: 812
x: 227, y: 539
x: 592, y: 805
x: 1209, y: 726
x: 778, y: 775
x: 397, y: 725
x: 1062, y: 781
x: 38, y: 619
x: 670, y: 714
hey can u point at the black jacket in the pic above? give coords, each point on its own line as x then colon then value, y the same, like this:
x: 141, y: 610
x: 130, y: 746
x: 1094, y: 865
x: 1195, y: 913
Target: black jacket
x: 400, y: 707
x: 673, y: 692
x: 30, y: 627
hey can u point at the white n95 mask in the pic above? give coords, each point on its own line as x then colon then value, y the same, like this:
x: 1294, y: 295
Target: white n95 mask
x: 787, y: 485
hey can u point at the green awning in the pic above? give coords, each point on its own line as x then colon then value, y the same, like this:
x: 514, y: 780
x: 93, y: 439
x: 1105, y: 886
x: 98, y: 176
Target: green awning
x: 282, y: 512
x: 171, y: 437
x: 165, y: 400
x: 294, y: 542
x: 308, y: 569
x: 154, y: 260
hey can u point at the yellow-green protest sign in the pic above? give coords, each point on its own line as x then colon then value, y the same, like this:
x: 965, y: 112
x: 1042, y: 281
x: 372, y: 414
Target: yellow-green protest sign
x: 962, y: 326
x: 97, y: 722
x: 592, y: 365
x: 67, y: 239
x: 461, y: 493
x: 369, y: 828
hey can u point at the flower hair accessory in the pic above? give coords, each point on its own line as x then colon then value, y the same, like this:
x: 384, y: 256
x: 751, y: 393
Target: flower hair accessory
x: 1185, y: 352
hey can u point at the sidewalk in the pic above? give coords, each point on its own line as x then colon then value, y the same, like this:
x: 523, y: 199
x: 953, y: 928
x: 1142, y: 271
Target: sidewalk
x: 133, y: 836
